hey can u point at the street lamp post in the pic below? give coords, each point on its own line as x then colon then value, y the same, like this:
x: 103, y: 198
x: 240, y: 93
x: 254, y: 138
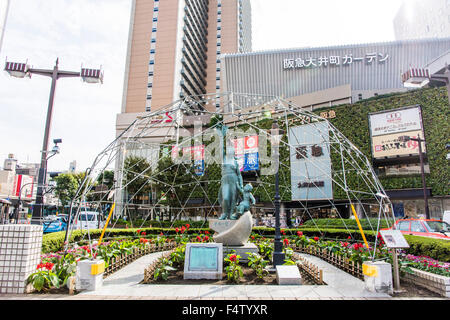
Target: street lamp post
x: 278, y: 255
x: 22, y: 70
x: 422, y: 170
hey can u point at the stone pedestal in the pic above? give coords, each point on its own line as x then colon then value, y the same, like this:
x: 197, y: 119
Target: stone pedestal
x: 20, y: 253
x: 89, y: 275
x: 288, y: 275
x: 378, y: 277
x: 241, y: 251
x: 232, y: 232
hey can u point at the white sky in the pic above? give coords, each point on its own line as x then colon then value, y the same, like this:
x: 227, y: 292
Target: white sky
x: 95, y: 33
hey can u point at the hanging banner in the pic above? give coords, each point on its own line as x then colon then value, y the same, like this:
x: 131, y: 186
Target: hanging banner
x: 247, y: 154
x: 310, y: 162
x: 196, y: 153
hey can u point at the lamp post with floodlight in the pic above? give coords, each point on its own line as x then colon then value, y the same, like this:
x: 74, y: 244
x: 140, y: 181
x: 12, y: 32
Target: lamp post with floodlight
x: 22, y: 70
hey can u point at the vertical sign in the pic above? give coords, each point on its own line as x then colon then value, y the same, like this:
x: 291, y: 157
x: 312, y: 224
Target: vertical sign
x: 246, y: 150
x: 199, y: 159
x: 310, y: 162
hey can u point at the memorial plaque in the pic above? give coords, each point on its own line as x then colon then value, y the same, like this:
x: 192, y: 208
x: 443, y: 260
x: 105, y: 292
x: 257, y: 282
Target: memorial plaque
x: 203, y: 258
x: 203, y: 261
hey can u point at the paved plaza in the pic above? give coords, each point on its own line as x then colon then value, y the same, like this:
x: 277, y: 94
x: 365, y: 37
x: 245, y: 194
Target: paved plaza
x: 125, y: 285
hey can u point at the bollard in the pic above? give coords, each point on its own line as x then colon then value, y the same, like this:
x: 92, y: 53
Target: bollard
x: 378, y: 277
x: 90, y: 275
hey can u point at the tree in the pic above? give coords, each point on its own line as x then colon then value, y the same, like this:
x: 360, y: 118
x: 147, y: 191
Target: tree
x: 66, y: 187
x: 176, y: 182
x: 106, y: 178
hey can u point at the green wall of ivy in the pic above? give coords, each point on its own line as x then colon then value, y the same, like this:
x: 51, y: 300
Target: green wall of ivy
x: 353, y: 121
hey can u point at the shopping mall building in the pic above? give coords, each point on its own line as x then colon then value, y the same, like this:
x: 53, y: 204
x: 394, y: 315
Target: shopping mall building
x: 347, y: 81
x: 314, y: 77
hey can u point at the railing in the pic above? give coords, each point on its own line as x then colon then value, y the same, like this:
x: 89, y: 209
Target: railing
x: 150, y: 270
x: 311, y: 270
x: 341, y: 262
x: 117, y: 263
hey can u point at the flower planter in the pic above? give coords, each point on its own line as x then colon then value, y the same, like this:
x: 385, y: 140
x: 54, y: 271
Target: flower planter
x: 433, y: 282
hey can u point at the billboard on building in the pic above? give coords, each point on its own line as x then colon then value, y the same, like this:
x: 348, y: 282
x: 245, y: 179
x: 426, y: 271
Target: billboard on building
x: 387, y: 127
x: 310, y: 162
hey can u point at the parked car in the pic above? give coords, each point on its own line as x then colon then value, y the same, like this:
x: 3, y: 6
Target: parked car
x: 424, y: 227
x: 54, y: 224
x: 89, y: 219
x: 446, y: 216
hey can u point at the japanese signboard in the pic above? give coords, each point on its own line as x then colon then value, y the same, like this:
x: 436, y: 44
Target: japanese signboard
x: 310, y: 162
x: 386, y: 128
x: 394, y: 121
x: 246, y: 150
x: 334, y: 60
x: 389, y: 145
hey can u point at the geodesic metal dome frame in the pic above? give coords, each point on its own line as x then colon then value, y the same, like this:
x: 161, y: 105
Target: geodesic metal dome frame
x: 152, y: 138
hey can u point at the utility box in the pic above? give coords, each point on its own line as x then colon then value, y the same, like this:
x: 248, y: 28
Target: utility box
x: 89, y: 275
x: 378, y: 277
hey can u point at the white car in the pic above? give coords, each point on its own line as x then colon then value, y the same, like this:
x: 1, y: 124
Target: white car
x: 89, y: 220
x: 446, y: 217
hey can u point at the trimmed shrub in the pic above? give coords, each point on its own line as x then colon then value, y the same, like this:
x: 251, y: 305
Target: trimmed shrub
x: 419, y: 246
x: 434, y: 248
x: 366, y: 224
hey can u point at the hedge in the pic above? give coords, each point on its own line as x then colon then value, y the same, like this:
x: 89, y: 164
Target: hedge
x: 54, y: 242
x: 163, y: 224
x: 366, y: 224
x: 433, y: 248
x: 419, y: 246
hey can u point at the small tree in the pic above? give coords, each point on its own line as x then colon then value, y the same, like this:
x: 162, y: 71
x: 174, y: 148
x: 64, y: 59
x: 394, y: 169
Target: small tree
x: 66, y: 187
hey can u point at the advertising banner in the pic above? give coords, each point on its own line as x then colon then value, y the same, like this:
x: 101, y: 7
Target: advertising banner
x: 387, y: 127
x: 310, y: 162
x: 390, y: 146
x: 395, y: 121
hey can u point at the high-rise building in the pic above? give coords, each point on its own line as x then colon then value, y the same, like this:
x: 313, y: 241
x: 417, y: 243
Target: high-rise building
x: 4, y: 7
x: 422, y: 19
x: 174, y: 49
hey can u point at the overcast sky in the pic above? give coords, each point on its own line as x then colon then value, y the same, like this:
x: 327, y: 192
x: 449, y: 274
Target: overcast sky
x: 94, y: 33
